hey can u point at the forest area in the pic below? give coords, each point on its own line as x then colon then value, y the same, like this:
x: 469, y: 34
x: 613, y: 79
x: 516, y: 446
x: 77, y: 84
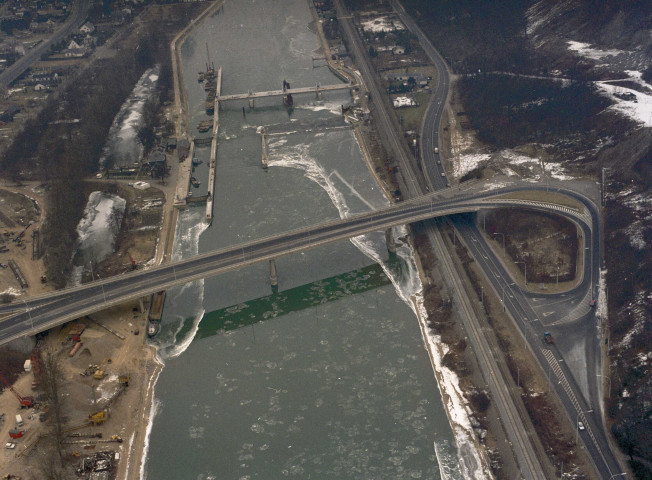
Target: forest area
x: 507, y: 55
x: 63, y: 154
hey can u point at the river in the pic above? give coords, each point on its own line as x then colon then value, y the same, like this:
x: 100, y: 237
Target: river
x: 329, y: 377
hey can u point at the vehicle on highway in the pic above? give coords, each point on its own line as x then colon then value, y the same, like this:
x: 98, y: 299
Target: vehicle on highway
x: 438, y: 162
x: 580, y: 425
x: 436, y: 150
x: 443, y: 174
x: 547, y: 338
x: 592, y: 303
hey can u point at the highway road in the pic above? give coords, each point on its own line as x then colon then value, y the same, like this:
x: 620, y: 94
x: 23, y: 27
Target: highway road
x: 46, y: 311
x: 568, y: 316
x: 78, y: 16
x: 525, y: 448
x: 40, y: 313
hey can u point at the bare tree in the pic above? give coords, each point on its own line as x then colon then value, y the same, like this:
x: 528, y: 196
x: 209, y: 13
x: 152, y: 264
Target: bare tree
x: 52, y: 380
x: 49, y: 466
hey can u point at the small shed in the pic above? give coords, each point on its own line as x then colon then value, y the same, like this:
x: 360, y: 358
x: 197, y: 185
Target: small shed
x: 183, y: 148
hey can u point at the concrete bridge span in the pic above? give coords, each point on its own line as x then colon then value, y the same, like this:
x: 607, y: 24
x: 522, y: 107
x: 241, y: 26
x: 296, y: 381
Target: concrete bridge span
x: 47, y: 311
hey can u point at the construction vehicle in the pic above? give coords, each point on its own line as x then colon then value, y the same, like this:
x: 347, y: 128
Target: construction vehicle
x: 98, y: 418
x: 124, y: 380
x: 100, y: 373
x: 25, y: 402
x: 19, y: 237
x: 547, y: 338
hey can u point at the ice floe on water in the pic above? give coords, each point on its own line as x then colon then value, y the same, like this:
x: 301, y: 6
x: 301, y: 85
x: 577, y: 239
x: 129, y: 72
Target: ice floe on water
x: 406, y: 280
x: 192, y: 224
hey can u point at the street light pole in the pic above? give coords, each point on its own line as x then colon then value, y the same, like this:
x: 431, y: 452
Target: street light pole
x: 525, y: 268
x: 29, y: 313
x: 498, y: 233
x: 609, y: 393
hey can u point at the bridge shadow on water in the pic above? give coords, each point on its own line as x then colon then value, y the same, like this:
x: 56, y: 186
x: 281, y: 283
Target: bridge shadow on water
x: 294, y: 300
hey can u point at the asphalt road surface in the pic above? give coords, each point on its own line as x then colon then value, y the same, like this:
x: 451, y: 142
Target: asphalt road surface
x: 566, y: 315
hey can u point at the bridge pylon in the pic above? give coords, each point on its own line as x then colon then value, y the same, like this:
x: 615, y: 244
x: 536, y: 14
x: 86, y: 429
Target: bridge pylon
x: 273, y: 277
x: 389, y: 240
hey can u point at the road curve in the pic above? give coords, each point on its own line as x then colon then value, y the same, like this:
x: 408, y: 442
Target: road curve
x: 46, y: 311
x: 570, y: 307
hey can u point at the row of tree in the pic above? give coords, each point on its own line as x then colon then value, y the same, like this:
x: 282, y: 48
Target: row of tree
x: 63, y: 154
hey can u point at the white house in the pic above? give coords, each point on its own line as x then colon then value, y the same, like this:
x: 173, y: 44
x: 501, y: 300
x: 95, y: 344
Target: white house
x: 87, y: 28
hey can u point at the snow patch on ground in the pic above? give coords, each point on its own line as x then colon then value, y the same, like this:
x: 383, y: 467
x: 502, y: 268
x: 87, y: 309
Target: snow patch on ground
x: 381, y: 24
x: 601, y: 311
x: 400, y: 102
x: 100, y: 225
x: 11, y: 291
x: 465, y: 163
x: 555, y: 170
x: 638, y: 309
x: 639, y: 110
x: 453, y: 397
x: 585, y: 50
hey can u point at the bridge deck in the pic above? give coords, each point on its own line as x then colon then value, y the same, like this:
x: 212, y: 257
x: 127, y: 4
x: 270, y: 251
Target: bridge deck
x: 279, y: 93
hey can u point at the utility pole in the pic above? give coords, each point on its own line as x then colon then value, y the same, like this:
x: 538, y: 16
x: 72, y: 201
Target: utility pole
x: 498, y: 233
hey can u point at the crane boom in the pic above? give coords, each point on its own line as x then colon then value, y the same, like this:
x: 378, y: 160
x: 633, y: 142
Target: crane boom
x: 25, y: 402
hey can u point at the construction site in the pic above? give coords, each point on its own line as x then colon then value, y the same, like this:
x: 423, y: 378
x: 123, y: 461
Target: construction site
x: 75, y: 402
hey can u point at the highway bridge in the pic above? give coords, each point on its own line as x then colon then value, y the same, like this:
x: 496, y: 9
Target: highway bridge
x: 44, y: 312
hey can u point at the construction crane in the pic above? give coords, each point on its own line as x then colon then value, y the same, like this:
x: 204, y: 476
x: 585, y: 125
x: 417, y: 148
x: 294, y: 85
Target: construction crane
x: 25, y: 402
x: 99, y: 373
x: 20, y: 236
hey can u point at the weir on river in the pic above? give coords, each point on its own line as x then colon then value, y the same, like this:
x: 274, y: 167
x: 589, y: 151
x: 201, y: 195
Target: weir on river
x: 325, y: 377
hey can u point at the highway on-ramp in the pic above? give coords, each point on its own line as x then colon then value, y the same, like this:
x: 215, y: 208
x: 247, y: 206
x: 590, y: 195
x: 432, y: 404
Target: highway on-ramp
x: 568, y: 315
x: 46, y: 311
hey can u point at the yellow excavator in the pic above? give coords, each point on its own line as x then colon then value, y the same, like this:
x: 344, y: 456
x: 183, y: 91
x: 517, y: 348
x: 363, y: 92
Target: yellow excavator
x: 99, y: 373
x: 98, y: 418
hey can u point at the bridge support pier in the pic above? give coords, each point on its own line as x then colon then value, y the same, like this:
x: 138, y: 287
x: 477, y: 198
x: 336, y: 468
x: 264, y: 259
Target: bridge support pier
x: 273, y: 277
x: 264, y: 149
x: 142, y: 305
x: 320, y: 96
x: 251, y: 103
x: 389, y: 240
